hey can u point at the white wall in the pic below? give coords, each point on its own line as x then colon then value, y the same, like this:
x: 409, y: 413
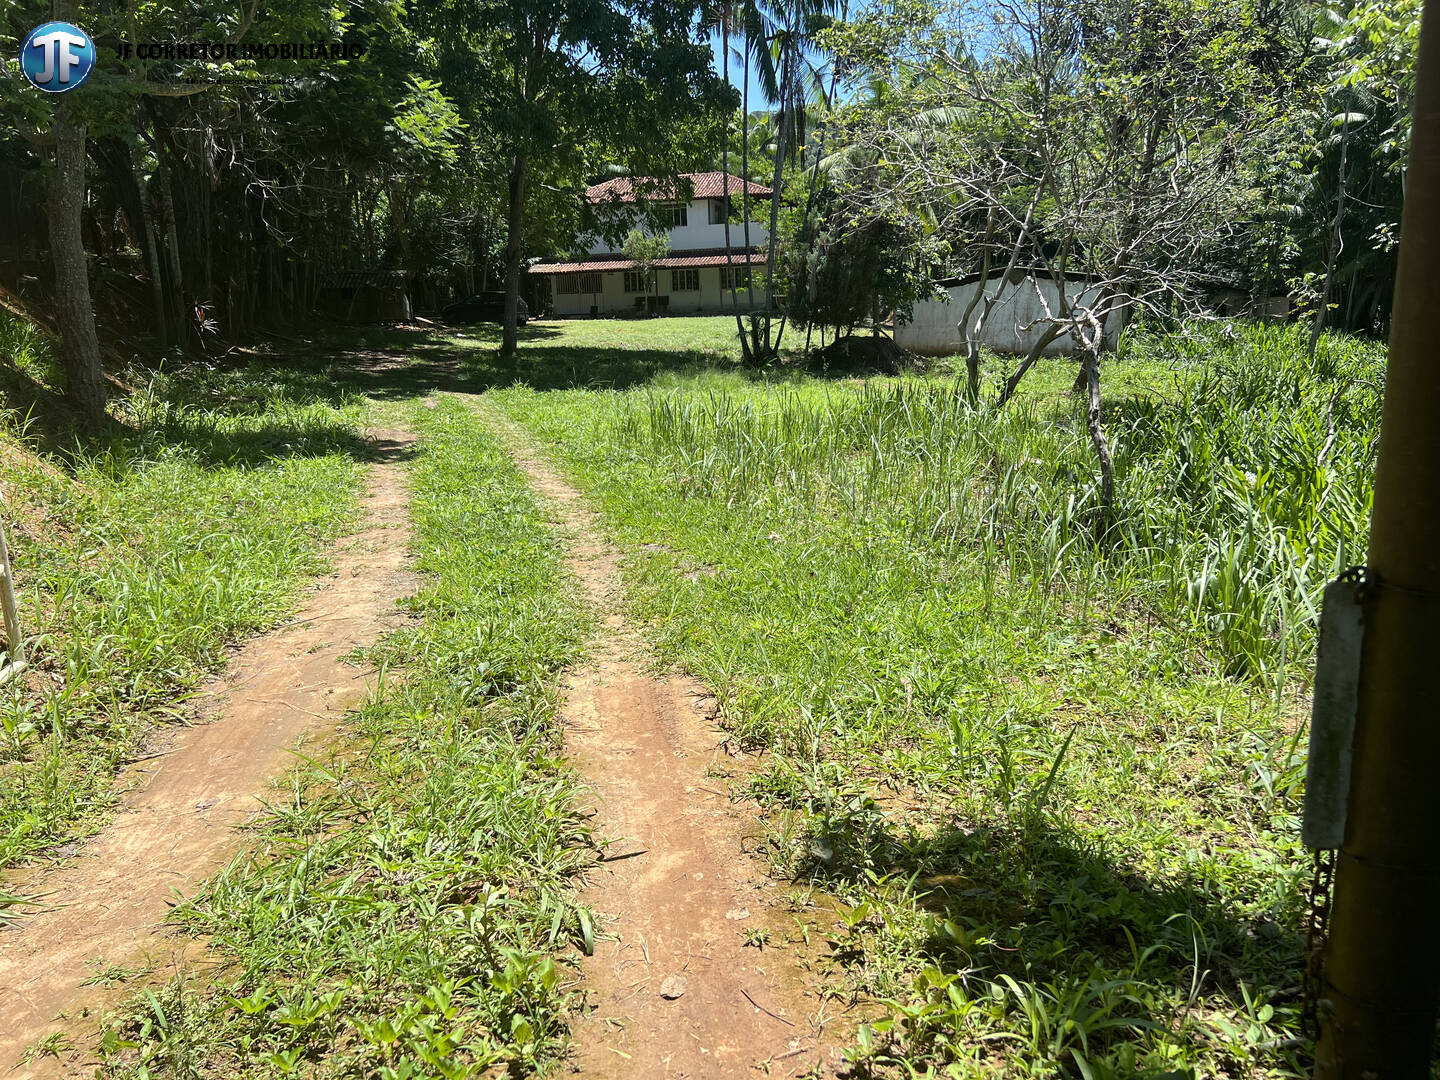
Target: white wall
x: 614, y: 300
x: 689, y: 301
x: 610, y: 298
x: 697, y: 233
x: 1013, y: 327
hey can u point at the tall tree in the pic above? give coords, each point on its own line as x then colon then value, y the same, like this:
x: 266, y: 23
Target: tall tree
x: 719, y: 17
x: 79, y: 342
x: 1347, y: 226
x: 59, y: 124
x: 561, y: 84
x: 779, y: 40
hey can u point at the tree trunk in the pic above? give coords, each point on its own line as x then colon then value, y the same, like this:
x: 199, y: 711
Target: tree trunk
x: 1050, y: 333
x: 967, y: 332
x: 79, y: 342
x: 745, y: 184
x: 179, y: 306
x: 514, y: 252
x: 725, y: 182
x: 400, y: 200
x: 987, y: 301
x: 767, y: 350
x: 151, y: 237
x: 1090, y: 365
x: 1333, y: 251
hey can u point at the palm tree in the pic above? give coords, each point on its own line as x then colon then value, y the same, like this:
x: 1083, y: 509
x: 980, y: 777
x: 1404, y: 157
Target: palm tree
x: 789, y: 48
x: 726, y: 16
x: 722, y: 17
x: 777, y: 41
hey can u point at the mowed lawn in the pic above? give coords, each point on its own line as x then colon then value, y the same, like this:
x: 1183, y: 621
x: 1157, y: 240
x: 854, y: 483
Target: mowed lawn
x: 1044, y: 785
x: 676, y: 335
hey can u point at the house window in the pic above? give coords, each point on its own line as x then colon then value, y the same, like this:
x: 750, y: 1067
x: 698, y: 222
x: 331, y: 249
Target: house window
x: 685, y: 280
x: 637, y: 281
x: 717, y: 211
x: 573, y: 284
x: 673, y: 215
x: 735, y: 277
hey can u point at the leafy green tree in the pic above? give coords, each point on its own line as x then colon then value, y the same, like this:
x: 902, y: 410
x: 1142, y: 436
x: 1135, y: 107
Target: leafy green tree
x: 839, y: 272
x: 778, y: 41
x: 1348, y: 220
x: 216, y: 167
x: 645, y: 250
x: 1106, y: 145
x: 561, y: 85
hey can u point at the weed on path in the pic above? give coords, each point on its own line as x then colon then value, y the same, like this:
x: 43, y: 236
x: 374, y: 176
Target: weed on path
x: 1042, y: 789
x: 397, y: 911
x: 142, y: 559
x: 1054, y: 782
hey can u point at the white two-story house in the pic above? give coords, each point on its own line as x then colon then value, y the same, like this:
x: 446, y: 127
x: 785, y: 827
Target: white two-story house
x: 698, y: 276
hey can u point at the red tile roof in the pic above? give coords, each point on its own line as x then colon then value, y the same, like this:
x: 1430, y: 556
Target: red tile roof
x: 673, y: 262
x: 708, y: 185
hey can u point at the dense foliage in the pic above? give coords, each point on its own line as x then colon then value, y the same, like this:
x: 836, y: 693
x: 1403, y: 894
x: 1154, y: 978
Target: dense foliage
x: 1191, y: 157
x: 1241, y: 148
x: 214, y: 196
x: 839, y: 273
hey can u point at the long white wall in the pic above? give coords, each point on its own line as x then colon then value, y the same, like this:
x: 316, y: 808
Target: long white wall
x: 1015, y: 323
x: 696, y: 234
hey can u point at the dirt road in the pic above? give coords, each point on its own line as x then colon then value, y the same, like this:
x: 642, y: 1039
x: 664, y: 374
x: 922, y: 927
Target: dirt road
x: 107, y: 904
x: 681, y: 984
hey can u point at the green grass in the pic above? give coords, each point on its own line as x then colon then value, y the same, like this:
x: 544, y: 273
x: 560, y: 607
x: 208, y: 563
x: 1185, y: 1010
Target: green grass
x: 679, y: 334
x: 141, y: 558
x: 398, y: 910
x: 1050, y: 781
x: 1054, y: 781
x: 601, y: 353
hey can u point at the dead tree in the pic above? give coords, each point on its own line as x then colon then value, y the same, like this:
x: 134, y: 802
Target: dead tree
x: 1081, y: 150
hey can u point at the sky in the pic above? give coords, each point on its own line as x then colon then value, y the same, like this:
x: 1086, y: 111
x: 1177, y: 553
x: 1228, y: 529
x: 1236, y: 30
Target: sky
x: 757, y: 99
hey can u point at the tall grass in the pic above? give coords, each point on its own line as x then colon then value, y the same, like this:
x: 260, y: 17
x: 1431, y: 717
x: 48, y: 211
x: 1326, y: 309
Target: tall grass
x: 1052, y: 779
x: 1240, y: 496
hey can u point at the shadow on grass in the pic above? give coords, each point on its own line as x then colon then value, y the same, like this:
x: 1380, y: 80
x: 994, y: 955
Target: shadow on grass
x: 266, y: 442
x: 219, y: 409
x: 468, y: 360
x: 330, y: 367
x: 45, y: 417
x: 1067, y: 932
x: 406, y: 363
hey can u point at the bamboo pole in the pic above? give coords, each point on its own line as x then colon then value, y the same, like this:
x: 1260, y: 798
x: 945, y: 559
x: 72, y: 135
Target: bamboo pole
x: 1382, y: 962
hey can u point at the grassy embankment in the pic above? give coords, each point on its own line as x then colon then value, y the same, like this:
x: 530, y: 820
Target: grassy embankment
x: 142, y: 557
x: 397, y: 910
x: 1053, y: 781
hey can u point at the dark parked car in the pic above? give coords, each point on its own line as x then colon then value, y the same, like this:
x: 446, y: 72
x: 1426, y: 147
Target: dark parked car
x: 484, y: 307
